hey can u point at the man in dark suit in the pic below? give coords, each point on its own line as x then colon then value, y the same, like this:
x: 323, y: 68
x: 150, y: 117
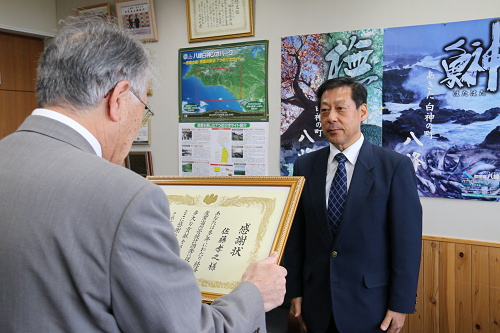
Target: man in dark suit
x: 353, y: 260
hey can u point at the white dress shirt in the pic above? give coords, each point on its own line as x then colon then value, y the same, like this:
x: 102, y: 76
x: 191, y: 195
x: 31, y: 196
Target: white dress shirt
x: 73, y: 124
x: 351, y: 153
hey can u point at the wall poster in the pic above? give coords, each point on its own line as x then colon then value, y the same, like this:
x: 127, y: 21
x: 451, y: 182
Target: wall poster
x: 224, y: 83
x: 223, y: 149
x: 441, y: 105
x: 309, y: 60
x: 438, y: 92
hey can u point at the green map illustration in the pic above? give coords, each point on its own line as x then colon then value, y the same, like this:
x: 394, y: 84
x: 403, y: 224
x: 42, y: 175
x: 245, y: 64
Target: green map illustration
x: 208, y: 75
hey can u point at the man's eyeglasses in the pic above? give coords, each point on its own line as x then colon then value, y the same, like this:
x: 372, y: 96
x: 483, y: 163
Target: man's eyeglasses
x: 147, y: 111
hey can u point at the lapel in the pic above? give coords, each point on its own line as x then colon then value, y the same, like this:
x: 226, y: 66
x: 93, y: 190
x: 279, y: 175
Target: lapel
x: 56, y: 130
x: 361, y: 183
x: 317, y: 183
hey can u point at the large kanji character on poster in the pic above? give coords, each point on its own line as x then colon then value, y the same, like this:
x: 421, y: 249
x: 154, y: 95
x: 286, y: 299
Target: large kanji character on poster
x: 309, y: 60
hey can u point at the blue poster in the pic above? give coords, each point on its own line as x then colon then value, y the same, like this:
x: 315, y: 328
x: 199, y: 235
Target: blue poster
x: 441, y: 101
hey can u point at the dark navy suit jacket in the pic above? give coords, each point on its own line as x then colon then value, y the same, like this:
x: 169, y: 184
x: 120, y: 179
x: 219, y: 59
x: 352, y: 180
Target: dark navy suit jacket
x: 373, y: 263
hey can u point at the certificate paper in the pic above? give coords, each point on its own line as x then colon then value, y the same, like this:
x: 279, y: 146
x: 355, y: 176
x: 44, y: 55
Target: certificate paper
x: 223, y: 229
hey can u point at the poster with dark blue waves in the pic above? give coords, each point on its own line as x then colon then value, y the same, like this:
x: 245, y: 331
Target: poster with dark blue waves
x: 441, y: 103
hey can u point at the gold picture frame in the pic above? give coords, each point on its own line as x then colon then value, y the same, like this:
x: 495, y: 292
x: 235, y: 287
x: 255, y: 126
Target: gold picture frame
x: 100, y: 10
x: 236, y: 20
x: 138, y: 16
x: 223, y: 224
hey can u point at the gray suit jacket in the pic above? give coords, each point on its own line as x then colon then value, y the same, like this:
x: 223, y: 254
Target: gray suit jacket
x: 87, y: 246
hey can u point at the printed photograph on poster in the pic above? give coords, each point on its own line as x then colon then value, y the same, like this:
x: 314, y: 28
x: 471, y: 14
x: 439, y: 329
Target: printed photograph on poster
x: 441, y: 104
x: 223, y: 149
x: 224, y: 83
x: 309, y: 60
x: 218, y: 246
x: 232, y: 19
x: 139, y: 17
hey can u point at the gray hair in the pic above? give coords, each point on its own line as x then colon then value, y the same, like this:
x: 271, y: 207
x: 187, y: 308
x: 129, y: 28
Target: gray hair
x: 86, y: 60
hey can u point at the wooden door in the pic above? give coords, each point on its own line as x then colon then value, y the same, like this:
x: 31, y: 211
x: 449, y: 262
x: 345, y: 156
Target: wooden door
x: 18, y: 62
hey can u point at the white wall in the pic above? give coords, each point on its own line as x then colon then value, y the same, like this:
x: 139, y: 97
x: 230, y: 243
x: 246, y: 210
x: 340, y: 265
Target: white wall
x: 278, y: 18
x: 31, y: 17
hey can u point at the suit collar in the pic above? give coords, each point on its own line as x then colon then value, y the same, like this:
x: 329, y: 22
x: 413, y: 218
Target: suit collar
x: 316, y: 181
x: 73, y: 124
x: 56, y: 130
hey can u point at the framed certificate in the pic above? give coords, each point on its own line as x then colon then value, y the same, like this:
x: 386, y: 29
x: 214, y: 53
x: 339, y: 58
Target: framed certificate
x: 223, y: 224
x: 100, y: 10
x: 139, y: 17
x: 212, y: 19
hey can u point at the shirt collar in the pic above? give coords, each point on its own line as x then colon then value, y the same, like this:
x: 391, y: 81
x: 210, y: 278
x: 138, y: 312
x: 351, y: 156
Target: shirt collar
x: 73, y: 124
x: 351, y: 152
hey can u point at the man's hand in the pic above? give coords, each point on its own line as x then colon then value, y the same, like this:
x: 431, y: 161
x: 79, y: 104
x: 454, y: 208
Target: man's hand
x: 270, y: 279
x: 296, y: 311
x: 393, y: 321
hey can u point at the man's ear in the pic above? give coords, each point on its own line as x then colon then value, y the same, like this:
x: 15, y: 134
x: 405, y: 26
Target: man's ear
x: 364, y: 111
x: 117, y: 99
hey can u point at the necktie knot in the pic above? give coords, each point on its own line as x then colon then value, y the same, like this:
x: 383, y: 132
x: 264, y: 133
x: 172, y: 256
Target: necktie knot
x: 340, y: 158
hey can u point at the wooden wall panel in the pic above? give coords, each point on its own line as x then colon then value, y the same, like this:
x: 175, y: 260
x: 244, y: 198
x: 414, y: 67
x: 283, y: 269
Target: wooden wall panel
x: 459, y: 286
x: 431, y: 286
x: 494, y: 267
x: 480, y: 289
x: 463, y: 310
x: 447, y: 287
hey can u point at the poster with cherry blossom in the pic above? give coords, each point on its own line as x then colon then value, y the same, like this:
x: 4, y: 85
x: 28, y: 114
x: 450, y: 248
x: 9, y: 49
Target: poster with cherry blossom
x: 309, y: 60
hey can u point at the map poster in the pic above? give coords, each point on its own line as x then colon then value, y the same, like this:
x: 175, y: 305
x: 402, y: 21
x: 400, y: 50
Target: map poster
x: 309, y: 60
x: 223, y: 149
x: 224, y: 83
x: 223, y: 224
x: 441, y: 100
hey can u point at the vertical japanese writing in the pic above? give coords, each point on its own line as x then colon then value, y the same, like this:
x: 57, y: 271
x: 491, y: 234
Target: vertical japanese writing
x: 222, y: 240
x: 188, y: 229
x: 178, y: 227
x: 429, y: 108
x: 205, y: 242
x: 217, y: 13
x: 197, y: 236
x: 240, y: 240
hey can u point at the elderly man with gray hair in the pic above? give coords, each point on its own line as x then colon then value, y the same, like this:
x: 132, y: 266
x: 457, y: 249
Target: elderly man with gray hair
x: 86, y: 245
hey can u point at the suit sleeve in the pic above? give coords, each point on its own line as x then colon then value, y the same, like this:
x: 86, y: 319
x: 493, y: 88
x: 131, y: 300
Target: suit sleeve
x: 154, y: 290
x: 294, y: 250
x: 405, y: 216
